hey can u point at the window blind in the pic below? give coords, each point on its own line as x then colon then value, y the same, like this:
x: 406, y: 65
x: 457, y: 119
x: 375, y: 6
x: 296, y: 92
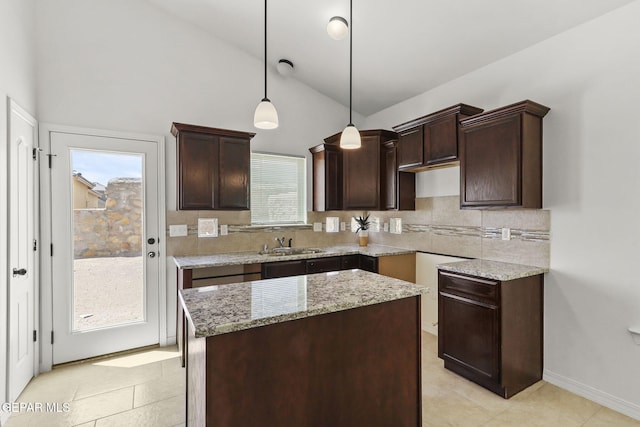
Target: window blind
x: 278, y: 189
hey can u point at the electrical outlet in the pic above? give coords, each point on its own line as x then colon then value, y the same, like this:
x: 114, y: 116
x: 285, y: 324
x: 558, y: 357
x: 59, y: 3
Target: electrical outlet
x: 317, y: 226
x: 506, y: 234
x: 178, y: 230
x: 343, y: 226
x: 224, y: 230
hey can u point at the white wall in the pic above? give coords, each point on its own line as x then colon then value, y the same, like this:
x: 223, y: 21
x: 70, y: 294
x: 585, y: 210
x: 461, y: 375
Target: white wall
x: 590, y: 78
x: 17, y: 81
x: 126, y: 65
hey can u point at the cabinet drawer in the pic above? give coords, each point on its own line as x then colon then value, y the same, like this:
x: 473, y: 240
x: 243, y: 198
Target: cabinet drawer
x: 320, y: 265
x: 475, y: 289
x: 273, y: 270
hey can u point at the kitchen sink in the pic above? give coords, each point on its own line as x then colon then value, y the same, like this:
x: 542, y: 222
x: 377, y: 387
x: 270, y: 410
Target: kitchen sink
x: 291, y: 251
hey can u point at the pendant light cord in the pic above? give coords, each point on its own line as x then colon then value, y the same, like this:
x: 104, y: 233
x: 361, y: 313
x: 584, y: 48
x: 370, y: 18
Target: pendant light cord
x: 350, y: 59
x: 265, y: 51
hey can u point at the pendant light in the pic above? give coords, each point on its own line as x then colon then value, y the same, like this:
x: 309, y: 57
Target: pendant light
x: 266, y: 116
x: 350, y: 138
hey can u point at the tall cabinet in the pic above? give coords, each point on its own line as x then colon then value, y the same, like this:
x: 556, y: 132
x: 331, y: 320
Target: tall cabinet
x: 213, y: 167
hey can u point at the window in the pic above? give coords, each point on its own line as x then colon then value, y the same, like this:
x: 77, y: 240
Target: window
x: 278, y: 185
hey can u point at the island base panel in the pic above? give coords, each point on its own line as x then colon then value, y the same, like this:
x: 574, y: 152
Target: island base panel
x: 353, y: 367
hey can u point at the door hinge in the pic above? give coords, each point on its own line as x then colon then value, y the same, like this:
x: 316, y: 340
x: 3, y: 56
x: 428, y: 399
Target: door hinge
x: 35, y: 245
x: 35, y: 335
x: 52, y: 337
x: 52, y: 249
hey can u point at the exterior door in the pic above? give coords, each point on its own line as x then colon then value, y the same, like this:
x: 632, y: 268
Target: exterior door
x: 105, y: 231
x: 22, y: 266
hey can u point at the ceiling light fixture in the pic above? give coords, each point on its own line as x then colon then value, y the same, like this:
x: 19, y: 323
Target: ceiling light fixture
x: 350, y: 138
x: 285, y: 67
x: 337, y: 28
x: 266, y: 116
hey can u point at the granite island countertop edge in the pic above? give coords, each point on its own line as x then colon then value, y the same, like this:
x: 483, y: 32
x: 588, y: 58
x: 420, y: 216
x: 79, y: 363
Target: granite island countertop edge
x: 495, y: 270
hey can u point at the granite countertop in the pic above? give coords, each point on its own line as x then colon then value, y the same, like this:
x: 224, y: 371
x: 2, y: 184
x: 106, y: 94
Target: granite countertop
x: 215, y: 310
x: 236, y: 258
x: 496, y: 270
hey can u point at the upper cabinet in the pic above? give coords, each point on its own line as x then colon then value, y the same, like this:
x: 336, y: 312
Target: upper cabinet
x: 501, y: 157
x: 327, y: 177
x: 362, y: 179
x: 213, y: 167
x: 431, y: 140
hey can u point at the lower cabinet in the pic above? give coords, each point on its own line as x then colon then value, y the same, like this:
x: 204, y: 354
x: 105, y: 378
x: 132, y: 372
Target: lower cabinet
x: 490, y: 331
x: 272, y: 270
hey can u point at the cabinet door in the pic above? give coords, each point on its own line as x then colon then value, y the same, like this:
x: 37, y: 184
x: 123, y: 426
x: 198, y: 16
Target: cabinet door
x: 321, y: 265
x: 410, y: 150
x: 272, y: 270
x: 350, y: 262
x: 369, y: 263
x: 390, y: 181
x: 197, y: 159
x: 490, y: 164
x: 468, y: 335
x: 441, y: 141
x: 233, y: 173
x: 362, y: 175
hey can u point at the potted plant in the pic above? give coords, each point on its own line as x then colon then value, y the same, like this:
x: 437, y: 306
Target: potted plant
x: 362, y: 230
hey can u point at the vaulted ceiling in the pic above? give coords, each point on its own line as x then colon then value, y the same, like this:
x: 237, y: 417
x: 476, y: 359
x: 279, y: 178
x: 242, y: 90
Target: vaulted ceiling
x: 401, y: 48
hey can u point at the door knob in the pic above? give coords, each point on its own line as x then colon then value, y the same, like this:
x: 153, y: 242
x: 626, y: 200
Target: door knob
x: 20, y: 272
x: 151, y: 254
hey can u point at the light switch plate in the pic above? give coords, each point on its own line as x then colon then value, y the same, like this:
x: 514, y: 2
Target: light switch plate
x: 224, y: 229
x: 343, y: 226
x: 395, y: 225
x: 506, y: 234
x: 332, y: 224
x: 207, y: 227
x: 178, y: 230
x: 385, y: 227
x: 317, y: 226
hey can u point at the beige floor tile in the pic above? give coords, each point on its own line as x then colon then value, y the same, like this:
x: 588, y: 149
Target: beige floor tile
x: 158, y: 389
x: 100, y: 405
x: 167, y: 413
x: 89, y: 424
x: 106, y: 378
x: 451, y: 409
x: 606, y: 417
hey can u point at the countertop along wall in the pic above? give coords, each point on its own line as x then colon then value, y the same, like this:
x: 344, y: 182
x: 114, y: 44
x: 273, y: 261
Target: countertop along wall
x: 17, y: 80
x: 591, y: 82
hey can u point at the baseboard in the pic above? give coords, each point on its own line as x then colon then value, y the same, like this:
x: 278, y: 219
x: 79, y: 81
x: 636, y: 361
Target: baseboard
x: 605, y: 399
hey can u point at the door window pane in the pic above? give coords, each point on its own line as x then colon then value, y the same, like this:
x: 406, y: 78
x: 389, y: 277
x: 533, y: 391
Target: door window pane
x: 108, y: 230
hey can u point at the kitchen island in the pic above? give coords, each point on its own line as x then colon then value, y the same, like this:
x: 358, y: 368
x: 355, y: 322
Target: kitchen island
x: 339, y: 349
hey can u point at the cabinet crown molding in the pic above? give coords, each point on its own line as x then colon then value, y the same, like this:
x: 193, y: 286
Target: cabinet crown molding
x: 463, y: 109
x: 526, y: 106
x: 182, y: 127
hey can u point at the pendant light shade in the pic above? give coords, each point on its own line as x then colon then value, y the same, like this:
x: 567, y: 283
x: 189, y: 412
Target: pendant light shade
x: 350, y: 138
x: 266, y: 116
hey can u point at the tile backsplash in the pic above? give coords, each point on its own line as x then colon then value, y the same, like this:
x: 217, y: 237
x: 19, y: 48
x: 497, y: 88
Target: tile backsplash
x: 438, y: 225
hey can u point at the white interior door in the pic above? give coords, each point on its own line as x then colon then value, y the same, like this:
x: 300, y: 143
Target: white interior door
x: 22, y: 274
x: 105, y: 230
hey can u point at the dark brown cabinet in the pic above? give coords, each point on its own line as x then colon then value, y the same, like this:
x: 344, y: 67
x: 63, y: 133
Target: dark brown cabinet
x: 362, y: 179
x: 431, y: 140
x: 490, y: 331
x: 369, y: 263
x: 501, y: 157
x: 327, y: 177
x: 271, y: 270
x: 213, y: 167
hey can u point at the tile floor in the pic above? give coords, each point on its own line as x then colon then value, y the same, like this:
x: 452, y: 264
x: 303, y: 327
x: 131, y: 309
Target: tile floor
x: 147, y: 389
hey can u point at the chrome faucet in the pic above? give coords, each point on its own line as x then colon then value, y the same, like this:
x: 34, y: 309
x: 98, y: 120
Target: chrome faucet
x: 280, y: 241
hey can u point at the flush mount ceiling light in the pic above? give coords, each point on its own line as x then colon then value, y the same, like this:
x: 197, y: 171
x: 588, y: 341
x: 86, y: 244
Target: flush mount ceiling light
x: 350, y: 138
x: 337, y: 28
x: 285, y: 67
x: 266, y: 116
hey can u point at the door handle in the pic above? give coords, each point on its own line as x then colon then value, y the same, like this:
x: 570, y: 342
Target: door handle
x: 20, y: 272
x: 151, y: 254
